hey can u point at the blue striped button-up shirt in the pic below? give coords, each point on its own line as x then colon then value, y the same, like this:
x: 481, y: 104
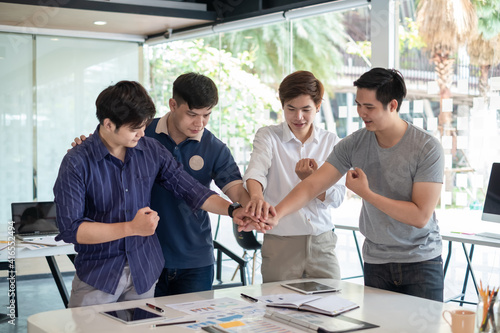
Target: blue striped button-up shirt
x: 93, y: 185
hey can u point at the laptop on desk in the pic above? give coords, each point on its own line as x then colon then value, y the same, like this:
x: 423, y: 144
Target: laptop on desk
x: 34, y: 221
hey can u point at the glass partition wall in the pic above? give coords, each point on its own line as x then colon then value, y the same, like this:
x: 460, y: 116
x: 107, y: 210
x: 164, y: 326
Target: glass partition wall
x: 47, y: 94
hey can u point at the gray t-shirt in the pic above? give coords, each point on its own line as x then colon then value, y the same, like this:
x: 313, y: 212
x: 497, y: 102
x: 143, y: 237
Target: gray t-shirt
x: 391, y: 172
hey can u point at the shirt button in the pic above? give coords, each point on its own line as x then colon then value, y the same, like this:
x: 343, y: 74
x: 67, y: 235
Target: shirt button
x: 176, y: 147
x: 126, y: 190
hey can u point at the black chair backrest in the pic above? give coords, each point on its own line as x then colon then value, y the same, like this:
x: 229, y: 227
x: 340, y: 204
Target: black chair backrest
x: 246, y: 240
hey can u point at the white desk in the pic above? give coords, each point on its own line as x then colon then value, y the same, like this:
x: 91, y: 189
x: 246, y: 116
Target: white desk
x: 450, y: 237
x: 472, y: 240
x: 48, y: 253
x: 391, y: 311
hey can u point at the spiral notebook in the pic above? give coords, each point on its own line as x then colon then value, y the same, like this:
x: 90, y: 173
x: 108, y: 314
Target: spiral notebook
x: 331, y: 305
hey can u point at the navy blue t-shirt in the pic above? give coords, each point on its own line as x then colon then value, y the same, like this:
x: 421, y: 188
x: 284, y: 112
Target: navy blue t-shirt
x: 186, y: 236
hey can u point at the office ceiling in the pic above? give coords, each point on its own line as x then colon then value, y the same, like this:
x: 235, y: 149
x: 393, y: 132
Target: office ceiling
x: 121, y: 18
x: 143, y: 18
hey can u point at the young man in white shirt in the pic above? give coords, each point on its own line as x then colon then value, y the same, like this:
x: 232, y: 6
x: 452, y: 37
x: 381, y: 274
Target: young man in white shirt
x: 284, y: 155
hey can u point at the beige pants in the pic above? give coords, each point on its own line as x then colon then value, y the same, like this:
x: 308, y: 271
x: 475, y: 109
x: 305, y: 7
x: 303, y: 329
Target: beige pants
x: 296, y: 257
x: 83, y: 294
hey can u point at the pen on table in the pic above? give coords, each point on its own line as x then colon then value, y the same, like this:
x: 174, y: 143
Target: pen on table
x: 250, y: 298
x: 154, y: 307
x: 214, y: 329
x: 174, y: 323
x: 463, y: 233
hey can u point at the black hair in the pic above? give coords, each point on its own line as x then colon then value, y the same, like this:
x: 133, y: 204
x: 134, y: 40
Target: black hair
x: 197, y: 90
x: 125, y: 103
x: 389, y: 84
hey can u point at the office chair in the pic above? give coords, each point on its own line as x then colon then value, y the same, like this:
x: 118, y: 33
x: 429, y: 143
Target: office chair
x: 249, y: 242
x: 220, y: 251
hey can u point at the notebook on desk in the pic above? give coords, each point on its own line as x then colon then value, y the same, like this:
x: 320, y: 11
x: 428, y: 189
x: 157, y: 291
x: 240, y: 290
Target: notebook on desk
x: 34, y: 221
x: 331, y: 305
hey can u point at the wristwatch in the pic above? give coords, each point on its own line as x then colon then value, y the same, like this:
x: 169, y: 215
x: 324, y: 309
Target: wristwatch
x: 232, y: 207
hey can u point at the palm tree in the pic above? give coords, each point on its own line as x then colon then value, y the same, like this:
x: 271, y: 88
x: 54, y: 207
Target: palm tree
x: 484, y: 46
x: 488, y: 13
x: 315, y: 42
x: 484, y: 54
x: 444, y: 25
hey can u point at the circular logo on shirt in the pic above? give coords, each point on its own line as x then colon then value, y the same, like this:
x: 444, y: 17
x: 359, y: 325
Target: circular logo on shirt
x: 196, y: 162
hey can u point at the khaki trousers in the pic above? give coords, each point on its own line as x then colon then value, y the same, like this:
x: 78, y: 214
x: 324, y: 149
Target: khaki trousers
x: 83, y: 294
x: 296, y: 257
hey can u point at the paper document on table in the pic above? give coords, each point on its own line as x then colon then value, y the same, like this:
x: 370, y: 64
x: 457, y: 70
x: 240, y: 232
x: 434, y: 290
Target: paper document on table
x: 231, y: 315
x: 30, y: 246
x: 48, y: 241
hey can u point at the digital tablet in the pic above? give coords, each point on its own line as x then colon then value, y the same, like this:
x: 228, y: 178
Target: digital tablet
x: 309, y: 287
x: 132, y: 315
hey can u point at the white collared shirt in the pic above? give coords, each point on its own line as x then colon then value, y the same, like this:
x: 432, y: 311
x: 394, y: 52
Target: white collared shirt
x: 276, y: 151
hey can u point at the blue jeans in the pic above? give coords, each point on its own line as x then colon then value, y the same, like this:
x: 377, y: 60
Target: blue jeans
x: 422, y: 279
x: 174, y: 281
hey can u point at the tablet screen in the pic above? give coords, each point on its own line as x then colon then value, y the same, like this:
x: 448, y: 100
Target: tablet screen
x: 309, y: 287
x: 132, y: 315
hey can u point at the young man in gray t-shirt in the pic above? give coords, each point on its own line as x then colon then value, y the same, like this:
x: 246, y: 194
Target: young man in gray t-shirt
x: 397, y: 169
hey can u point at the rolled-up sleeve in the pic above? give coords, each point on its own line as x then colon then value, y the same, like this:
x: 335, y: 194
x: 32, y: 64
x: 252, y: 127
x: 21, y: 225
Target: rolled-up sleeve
x: 334, y: 195
x: 261, y: 158
x: 69, y: 196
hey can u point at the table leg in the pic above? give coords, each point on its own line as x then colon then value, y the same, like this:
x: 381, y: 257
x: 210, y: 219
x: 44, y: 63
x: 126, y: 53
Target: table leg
x: 448, y: 257
x: 468, y: 256
x: 58, y: 279
x: 359, y: 252
x: 11, y: 282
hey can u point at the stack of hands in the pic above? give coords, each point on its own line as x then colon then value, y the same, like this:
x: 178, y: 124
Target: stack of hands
x: 260, y: 215
x: 257, y: 215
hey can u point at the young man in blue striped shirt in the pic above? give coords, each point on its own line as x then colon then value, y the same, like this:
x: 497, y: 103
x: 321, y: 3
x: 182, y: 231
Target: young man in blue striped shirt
x: 102, y: 195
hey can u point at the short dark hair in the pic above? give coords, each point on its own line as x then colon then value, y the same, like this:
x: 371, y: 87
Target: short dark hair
x: 389, y: 84
x: 197, y: 90
x: 125, y: 103
x: 301, y: 83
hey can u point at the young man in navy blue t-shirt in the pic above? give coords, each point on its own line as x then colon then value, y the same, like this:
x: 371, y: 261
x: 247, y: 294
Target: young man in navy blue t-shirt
x: 186, y: 240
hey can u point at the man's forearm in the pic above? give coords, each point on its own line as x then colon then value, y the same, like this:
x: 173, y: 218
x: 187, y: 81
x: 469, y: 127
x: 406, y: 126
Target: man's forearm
x: 414, y: 213
x: 98, y: 232
x: 255, y: 188
x: 216, y: 205
x: 238, y: 193
x: 298, y: 197
x: 308, y: 189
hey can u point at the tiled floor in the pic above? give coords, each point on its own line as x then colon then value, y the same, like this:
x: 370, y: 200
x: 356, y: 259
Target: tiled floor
x: 38, y: 293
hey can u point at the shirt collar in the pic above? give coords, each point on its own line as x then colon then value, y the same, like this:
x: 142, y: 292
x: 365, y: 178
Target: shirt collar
x: 288, y: 134
x: 101, y: 151
x: 99, y: 148
x: 162, y: 127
